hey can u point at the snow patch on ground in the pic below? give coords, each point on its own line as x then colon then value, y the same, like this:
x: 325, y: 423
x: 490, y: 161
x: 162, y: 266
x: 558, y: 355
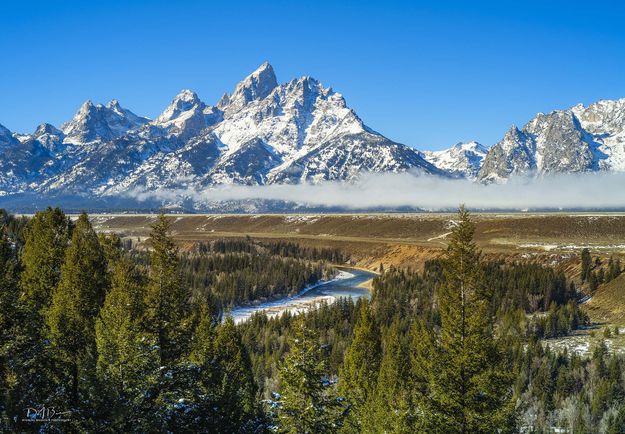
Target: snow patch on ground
x: 293, y: 304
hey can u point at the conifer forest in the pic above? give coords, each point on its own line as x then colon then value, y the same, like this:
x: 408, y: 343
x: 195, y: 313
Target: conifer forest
x: 100, y: 335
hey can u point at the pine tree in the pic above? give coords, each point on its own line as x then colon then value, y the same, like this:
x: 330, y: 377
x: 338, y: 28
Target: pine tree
x: 112, y: 247
x: 126, y: 363
x: 470, y: 387
x: 307, y: 402
x: 361, y: 364
x: 167, y: 309
x: 387, y: 409
x: 73, y: 310
x: 47, y: 237
x: 9, y: 321
x: 236, y: 399
x: 422, y: 349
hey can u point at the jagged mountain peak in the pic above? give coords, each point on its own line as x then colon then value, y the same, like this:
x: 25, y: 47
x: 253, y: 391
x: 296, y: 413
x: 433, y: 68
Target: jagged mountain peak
x: 578, y: 139
x: 297, y: 131
x: 258, y: 85
x: 47, y: 128
x: 113, y: 104
x: 187, y: 115
x: 223, y: 101
x: 100, y: 123
x: 184, y: 101
x: 6, y: 136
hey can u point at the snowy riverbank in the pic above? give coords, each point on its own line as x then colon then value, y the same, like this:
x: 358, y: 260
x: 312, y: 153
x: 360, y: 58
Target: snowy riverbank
x: 300, y: 302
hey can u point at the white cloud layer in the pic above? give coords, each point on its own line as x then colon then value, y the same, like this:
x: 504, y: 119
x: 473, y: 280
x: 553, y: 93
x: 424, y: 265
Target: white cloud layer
x: 582, y: 191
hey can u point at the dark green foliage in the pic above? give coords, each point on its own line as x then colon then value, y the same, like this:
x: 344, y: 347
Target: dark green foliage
x: 73, y: 310
x: 30, y: 366
x: 47, y: 237
x: 387, y: 407
x: 9, y: 322
x: 135, y: 342
x: 167, y: 309
x: 470, y: 389
x: 307, y: 403
x: 127, y: 363
x: 614, y: 269
x: 560, y: 320
x: 237, y: 278
x: 284, y: 249
x: 359, y: 374
x: 236, y: 399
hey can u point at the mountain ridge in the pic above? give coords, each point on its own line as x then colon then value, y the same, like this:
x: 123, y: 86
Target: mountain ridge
x: 267, y: 132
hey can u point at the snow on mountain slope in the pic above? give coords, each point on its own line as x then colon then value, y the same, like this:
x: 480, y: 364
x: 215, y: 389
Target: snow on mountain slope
x: 6, y: 138
x: 605, y: 123
x: 265, y: 132
x: 255, y: 86
x: 186, y: 116
x: 462, y: 160
x: 261, y: 133
x: 100, y: 123
x: 579, y: 139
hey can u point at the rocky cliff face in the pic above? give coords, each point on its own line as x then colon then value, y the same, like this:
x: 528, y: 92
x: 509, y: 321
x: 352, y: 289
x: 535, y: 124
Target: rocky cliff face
x: 580, y: 139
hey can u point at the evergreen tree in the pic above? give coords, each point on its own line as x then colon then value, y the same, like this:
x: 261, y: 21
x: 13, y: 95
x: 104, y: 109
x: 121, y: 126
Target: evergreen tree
x: 361, y: 364
x: 112, y: 247
x: 236, y: 399
x: 167, y: 309
x: 9, y: 321
x: 73, y: 310
x: 126, y: 363
x: 47, y: 237
x: 307, y: 402
x: 470, y: 387
x: 422, y: 366
x: 387, y: 410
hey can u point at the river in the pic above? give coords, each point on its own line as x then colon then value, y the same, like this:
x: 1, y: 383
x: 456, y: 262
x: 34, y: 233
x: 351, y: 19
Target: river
x: 345, y: 284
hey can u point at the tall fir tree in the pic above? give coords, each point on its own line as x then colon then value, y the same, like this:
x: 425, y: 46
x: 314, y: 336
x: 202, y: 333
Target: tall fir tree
x: 167, y: 302
x: 308, y: 403
x: 388, y: 406
x: 470, y: 387
x: 359, y: 372
x: 9, y: 322
x: 47, y: 238
x: 127, y: 363
x: 72, y: 314
x: 422, y: 367
x: 236, y: 399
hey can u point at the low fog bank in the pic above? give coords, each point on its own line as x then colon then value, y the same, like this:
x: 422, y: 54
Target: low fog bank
x: 604, y: 191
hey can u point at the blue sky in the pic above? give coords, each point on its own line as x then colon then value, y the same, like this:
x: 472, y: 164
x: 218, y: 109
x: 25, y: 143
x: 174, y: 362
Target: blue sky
x: 427, y: 74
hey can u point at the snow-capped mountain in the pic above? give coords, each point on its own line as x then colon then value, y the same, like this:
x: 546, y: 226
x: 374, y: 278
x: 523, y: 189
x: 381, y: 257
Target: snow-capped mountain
x: 579, y: 139
x: 100, y: 123
x: 463, y: 160
x: 263, y: 132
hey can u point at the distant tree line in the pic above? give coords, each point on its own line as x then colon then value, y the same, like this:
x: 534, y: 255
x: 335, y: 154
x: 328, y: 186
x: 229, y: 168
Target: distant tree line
x: 595, y: 273
x: 277, y: 248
